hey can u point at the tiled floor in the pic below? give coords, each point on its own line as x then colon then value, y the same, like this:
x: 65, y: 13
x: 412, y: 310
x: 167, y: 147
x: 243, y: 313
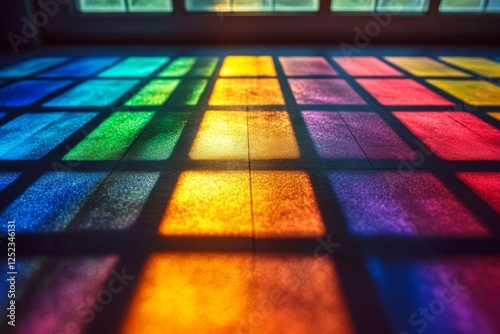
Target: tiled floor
x: 252, y: 190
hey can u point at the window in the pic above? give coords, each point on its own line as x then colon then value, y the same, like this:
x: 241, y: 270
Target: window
x: 392, y: 6
x: 252, y: 5
x: 469, y: 6
x: 110, y: 6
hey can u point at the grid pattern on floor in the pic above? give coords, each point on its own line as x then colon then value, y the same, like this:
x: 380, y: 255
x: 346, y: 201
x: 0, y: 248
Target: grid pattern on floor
x: 290, y: 186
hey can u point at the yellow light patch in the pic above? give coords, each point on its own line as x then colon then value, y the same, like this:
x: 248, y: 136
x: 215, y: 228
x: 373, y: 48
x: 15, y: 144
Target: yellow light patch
x: 248, y: 66
x: 473, y: 92
x: 495, y: 115
x: 284, y: 205
x: 242, y: 92
x: 223, y: 135
x: 271, y: 136
x: 425, y: 67
x: 209, y: 203
x: 238, y: 293
x: 483, y: 66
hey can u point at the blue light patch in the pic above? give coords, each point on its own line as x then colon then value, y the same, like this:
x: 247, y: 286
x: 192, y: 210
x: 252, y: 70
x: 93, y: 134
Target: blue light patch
x: 24, y: 93
x: 7, y: 178
x: 31, y: 66
x: 24, y: 141
x: 93, y: 93
x: 118, y: 201
x: 25, y: 268
x: 2, y: 114
x: 51, y: 202
x: 80, y: 68
x: 135, y: 67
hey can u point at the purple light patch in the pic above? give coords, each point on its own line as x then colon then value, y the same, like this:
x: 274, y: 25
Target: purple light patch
x: 68, y: 298
x: 297, y: 66
x: 324, y: 92
x: 402, y: 203
x: 444, y: 295
x: 355, y: 135
x: 331, y: 136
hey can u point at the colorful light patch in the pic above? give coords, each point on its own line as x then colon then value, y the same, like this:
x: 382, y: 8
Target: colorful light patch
x: 248, y: 66
x: 30, y: 67
x: 236, y: 135
x: 376, y: 203
x: 300, y: 295
x: 366, y: 66
x: 192, y: 66
x: 355, y: 135
x: 243, y: 92
x: 159, y: 139
x: 480, y: 65
x: 93, y: 93
x: 188, y: 93
x: 23, y: 93
x: 51, y: 202
x: 25, y: 268
x: 306, y: 66
x: 68, y: 298
x: 7, y: 178
x: 223, y: 135
x: 473, y: 92
x: 118, y: 201
x: 324, y: 92
x: 209, y: 203
x: 36, y: 141
x: 425, y: 67
x: 111, y: 139
x: 402, y: 92
x: 155, y: 93
x: 454, y: 135
x: 135, y: 67
x: 495, y: 115
x: 443, y: 295
x: 485, y: 184
x: 80, y: 68
x: 271, y: 136
x: 284, y: 205
x: 281, y: 204
x: 179, y: 67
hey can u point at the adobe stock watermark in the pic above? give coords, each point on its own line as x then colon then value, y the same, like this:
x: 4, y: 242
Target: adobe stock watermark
x: 31, y: 26
x: 276, y: 297
x: 420, y: 320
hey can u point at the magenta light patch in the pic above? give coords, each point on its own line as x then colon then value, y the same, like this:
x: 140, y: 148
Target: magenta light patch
x: 324, y: 92
x: 297, y: 66
x: 402, y: 92
x: 366, y: 66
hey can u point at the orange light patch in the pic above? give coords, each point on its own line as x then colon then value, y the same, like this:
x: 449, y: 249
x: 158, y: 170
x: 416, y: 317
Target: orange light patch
x: 220, y: 293
x: 248, y: 66
x: 223, y: 135
x: 271, y: 136
x: 209, y: 203
x: 495, y: 115
x: 240, y: 92
x: 284, y: 205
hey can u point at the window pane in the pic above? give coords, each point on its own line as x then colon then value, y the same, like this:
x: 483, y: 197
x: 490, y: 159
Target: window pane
x: 493, y: 6
x: 402, y: 6
x: 394, y: 6
x: 252, y: 5
x: 150, y: 5
x: 353, y: 5
x: 461, y: 6
x: 102, y: 5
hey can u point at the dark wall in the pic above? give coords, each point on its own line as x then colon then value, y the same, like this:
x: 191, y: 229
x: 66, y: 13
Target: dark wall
x: 11, y: 22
